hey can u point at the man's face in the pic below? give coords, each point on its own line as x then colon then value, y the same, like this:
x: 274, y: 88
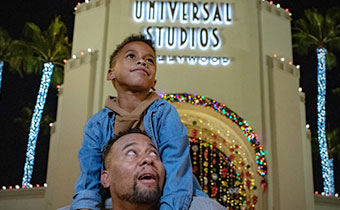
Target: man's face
x: 134, y: 68
x: 134, y: 172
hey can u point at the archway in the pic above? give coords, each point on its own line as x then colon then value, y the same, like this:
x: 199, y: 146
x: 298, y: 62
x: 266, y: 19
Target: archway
x: 227, y: 157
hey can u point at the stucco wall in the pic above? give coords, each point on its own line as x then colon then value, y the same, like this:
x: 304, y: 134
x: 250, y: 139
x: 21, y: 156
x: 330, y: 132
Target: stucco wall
x: 326, y: 203
x: 19, y: 199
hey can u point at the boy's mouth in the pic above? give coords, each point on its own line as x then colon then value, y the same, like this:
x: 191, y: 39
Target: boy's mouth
x: 142, y: 70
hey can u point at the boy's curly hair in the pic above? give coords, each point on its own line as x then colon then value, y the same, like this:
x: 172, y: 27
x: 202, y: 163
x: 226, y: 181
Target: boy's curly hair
x: 129, y: 39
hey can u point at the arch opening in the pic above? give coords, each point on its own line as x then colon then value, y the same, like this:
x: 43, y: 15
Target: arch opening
x: 227, y: 157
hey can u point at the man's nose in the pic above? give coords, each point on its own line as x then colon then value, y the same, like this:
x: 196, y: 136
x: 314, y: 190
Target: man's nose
x: 147, y: 160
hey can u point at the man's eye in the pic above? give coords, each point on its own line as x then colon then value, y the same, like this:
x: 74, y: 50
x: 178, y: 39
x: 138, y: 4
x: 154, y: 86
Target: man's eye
x: 131, y: 153
x: 153, y: 153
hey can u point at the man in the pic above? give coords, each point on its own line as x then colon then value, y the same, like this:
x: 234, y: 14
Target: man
x: 135, y: 174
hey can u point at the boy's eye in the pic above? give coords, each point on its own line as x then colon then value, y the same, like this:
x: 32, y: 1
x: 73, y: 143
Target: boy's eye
x: 130, y: 55
x: 131, y: 153
x: 149, y: 60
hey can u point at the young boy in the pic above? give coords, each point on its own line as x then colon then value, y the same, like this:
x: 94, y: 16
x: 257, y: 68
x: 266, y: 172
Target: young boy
x: 132, y: 72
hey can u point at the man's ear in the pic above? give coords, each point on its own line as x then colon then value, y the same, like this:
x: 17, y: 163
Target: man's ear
x: 153, y: 87
x: 105, y: 179
x: 110, y: 74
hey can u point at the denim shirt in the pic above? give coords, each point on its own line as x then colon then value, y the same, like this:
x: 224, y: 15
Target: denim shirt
x: 163, y: 125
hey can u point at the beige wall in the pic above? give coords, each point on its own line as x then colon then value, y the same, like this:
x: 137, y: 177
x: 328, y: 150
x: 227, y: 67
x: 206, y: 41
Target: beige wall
x: 74, y: 108
x: 90, y: 32
x: 19, y: 199
x: 326, y: 203
x: 284, y: 134
x: 307, y: 155
x: 287, y: 158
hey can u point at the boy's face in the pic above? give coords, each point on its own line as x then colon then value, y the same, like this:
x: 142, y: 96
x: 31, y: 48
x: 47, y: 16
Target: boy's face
x: 134, y: 68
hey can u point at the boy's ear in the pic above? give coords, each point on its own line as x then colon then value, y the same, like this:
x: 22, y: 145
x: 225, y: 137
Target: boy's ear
x: 105, y: 179
x: 110, y: 74
x: 153, y: 87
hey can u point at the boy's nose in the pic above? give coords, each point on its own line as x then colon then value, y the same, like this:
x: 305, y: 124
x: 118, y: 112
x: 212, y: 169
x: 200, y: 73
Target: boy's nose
x: 141, y: 62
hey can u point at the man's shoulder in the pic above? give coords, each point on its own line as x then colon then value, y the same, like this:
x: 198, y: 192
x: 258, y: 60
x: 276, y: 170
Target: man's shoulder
x: 205, y: 203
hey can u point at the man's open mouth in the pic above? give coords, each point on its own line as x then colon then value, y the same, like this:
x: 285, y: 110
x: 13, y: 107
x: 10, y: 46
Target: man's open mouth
x: 147, y: 178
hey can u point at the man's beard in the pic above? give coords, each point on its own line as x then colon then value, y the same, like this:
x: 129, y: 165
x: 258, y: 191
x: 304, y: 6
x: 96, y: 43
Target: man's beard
x: 139, y: 196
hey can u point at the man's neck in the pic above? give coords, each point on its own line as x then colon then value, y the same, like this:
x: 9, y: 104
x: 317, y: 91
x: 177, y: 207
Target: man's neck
x: 129, y: 100
x: 129, y: 206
